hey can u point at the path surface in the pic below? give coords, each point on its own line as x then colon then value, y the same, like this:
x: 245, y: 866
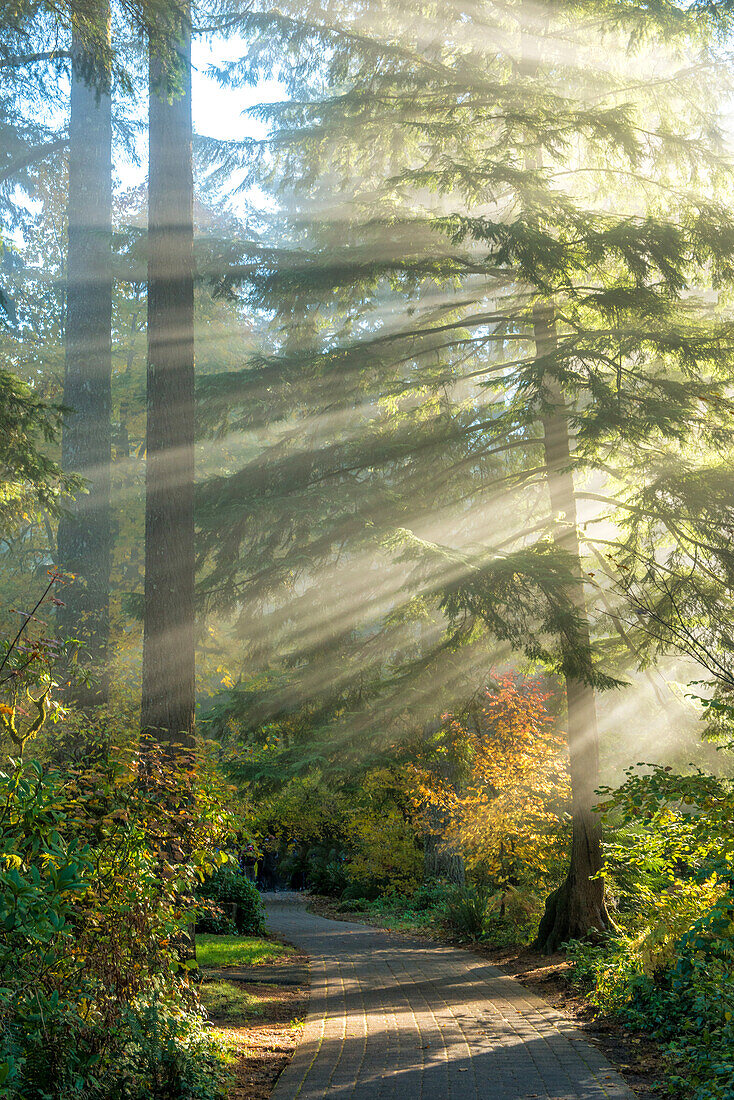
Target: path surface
x: 392, y: 1018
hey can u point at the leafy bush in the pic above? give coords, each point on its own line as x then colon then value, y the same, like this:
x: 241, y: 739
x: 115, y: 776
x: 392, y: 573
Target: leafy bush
x: 420, y: 911
x: 353, y: 905
x: 334, y: 839
x: 361, y: 892
x: 211, y: 917
x: 97, y: 871
x: 228, y: 885
x: 166, y: 1053
x: 384, y: 855
x: 669, y: 967
x: 326, y: 872
x: 432, y: 894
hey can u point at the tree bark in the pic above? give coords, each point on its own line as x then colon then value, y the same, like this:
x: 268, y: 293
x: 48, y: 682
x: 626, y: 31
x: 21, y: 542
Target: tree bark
x: 85, y: 533
x: 577, y: 907
x: 168, y: 645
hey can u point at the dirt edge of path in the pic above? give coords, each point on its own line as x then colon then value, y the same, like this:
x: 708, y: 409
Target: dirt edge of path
x: 638, y: 1059
x: 263, y: 1044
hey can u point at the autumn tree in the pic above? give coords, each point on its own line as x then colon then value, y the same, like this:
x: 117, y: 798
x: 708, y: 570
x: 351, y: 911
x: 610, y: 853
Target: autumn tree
x: 507, y: 816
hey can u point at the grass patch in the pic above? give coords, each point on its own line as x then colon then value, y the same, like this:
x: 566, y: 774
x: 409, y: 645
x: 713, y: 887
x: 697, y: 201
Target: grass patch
x: 216, y: 951
x: 229, y: 1002
x: 398, y: 914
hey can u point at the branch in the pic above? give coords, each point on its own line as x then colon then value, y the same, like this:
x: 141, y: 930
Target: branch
x: 33, y: 155
x: 17, y: 60
x: 27, y: 619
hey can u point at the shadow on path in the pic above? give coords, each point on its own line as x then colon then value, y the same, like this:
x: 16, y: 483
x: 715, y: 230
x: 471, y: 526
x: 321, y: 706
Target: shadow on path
x: 392, y: 1018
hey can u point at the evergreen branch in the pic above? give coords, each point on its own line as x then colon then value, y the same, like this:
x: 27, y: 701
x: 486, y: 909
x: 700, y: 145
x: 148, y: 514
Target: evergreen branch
x: 32, y: 157
x: 18, y: 60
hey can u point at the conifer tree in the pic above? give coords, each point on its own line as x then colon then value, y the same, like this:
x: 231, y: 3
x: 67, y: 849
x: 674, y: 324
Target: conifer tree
x: 85, y: 535
x: 523, y: 329
x: 674, y: 569
x: 33, y: 55
x: 28, y: 476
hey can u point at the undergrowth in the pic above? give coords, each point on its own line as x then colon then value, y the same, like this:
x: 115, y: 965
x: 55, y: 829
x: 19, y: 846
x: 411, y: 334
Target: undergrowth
x: 668, y: 968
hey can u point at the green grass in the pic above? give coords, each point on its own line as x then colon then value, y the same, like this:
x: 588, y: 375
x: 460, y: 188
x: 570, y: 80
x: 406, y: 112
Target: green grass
x: 229, y: 1002
x: 395, y: 913
x: 238, y: 950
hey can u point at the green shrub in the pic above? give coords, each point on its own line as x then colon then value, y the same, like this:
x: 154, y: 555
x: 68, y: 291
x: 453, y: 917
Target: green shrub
x: 466, y: 911
x: 367, y: 889
x: 688, y: 1006
x: 326, y: 872
x: 587, y: 958
x: 211, y: 917
x: 433, y: 894
x: 383, y: 854
x: 668, y: 969
x: 96, y: 874
x: 167, y: 1054
x: 353, y: 905
x: 228, y: 885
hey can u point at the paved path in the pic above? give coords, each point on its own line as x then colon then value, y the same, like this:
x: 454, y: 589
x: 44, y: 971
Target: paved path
x: 392, y: 1018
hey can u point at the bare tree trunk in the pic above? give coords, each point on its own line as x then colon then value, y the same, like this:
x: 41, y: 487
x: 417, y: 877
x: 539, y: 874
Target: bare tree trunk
x: 439, y: 859
x: 577, y: 906
x: 168, y: 645
x: 85, y: 534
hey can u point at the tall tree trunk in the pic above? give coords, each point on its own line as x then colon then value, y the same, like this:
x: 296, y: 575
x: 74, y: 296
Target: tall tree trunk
x: 84, y: 535
x: 577, y: 906
x: 168, y: 645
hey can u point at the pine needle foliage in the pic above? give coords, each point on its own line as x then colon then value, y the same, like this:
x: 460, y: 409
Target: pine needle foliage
x: 447, y: 174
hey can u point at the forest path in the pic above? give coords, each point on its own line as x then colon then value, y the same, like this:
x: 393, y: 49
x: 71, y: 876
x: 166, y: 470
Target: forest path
x: 393, y: 1018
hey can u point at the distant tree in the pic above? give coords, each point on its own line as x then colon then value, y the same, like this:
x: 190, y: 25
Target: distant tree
x: 675, y: 568
x: 29, y: 479
x: 33, y: 55
x: 85, y: 533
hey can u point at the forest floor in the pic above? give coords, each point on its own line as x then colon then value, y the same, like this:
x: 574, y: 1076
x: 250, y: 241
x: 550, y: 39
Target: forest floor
x: 256, y: 1007
x: 637, y: 1058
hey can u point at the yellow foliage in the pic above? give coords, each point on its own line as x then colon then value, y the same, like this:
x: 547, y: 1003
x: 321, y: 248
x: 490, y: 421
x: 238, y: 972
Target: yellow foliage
x: 508, y: 818
x: 385, y: 849
x: 371, y: 825
x: 305, y: 809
